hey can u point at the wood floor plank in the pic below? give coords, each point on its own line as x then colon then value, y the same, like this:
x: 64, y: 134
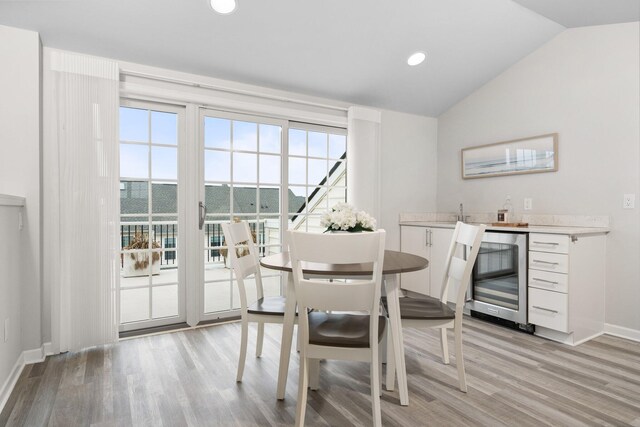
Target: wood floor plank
x: 20, y: 402
x: 43, y: 402
x: 187, y: 378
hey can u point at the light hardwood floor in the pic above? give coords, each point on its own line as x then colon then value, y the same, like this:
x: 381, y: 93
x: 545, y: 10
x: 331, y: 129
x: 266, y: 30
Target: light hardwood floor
x: 188, y: 378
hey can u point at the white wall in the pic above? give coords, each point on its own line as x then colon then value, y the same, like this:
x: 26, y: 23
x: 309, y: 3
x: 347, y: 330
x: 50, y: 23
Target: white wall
x: 584, y: 84
x: 20, y: 129
x: 408, y: 169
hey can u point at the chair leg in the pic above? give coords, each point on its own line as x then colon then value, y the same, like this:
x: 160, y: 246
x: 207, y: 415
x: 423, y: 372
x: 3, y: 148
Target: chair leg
x: 390, y: 381
x: 445, y: 346
x: 375, y: 389
x: 459, y: 359
x: 381, y: 350
x: 314, y: 373
x: 243, y: 349
x: 260, y: 339
x: 301, y: 406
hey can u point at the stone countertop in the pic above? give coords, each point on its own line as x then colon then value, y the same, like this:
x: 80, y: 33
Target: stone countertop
x: 548, y: 229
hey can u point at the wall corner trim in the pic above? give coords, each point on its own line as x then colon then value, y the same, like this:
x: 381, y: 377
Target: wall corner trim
x: 622, y: 332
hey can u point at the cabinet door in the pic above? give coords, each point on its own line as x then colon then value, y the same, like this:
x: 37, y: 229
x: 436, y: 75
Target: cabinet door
x: 440, y: 241
x: 414, y: 240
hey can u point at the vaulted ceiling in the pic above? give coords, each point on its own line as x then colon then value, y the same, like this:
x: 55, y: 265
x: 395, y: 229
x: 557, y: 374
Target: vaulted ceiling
x: 353, y: 51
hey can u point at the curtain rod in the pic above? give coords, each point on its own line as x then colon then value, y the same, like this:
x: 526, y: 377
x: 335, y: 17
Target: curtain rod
x: 228, y: 90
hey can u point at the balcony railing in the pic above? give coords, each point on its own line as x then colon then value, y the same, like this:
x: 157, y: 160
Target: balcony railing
x: 165, y: 235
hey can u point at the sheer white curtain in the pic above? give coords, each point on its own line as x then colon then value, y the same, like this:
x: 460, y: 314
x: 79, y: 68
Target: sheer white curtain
x: 363, y: 146
x: 82, y: 102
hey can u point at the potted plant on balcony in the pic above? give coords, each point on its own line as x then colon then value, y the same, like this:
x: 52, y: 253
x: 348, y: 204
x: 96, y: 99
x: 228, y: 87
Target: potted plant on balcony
x: 137, y: 263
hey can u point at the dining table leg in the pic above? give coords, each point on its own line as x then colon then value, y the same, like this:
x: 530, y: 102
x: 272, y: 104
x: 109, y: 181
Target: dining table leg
x: 287, y: 337
x: 390, y: 381
x: 393, y: 294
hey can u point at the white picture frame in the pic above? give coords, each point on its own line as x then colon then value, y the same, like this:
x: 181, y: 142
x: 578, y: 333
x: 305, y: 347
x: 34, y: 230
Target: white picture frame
x: 535, y: 154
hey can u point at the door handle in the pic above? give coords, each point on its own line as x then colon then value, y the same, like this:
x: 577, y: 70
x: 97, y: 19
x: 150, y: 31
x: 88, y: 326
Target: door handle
x: 203, y: 214
x: 544, y: 281
x: 544, y: 262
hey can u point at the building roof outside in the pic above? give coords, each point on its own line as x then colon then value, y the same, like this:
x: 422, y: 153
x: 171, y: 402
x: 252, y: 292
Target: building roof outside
x: 134, y: 199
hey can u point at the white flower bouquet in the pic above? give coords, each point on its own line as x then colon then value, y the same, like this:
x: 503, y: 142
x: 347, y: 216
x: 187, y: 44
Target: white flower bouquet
x: 344, y: 217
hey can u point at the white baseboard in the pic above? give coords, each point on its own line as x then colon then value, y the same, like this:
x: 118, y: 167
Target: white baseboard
x: 37, y: 355
x: 33, y: 356
x: 27, y: 357
x: 11, y: 381
x: 622, y: 332
x: 48, y: 348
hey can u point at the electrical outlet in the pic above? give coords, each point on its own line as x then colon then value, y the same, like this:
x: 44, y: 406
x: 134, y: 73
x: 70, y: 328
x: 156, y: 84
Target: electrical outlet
x: 629, y: 201
x: 528, y: 203
x: 6, y: 329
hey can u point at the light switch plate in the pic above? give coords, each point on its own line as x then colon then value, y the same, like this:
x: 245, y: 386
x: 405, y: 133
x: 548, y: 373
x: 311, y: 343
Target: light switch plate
x: 528, y: 203
x: 629, y: 201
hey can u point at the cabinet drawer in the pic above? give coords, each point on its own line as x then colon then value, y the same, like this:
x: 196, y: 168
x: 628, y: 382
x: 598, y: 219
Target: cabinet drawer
x: 548, y: 280
x: 555, y: 243
x: 549, y: 309
x: 558, y: 263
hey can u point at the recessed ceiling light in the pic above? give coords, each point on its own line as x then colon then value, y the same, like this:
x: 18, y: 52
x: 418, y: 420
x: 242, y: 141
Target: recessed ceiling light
x: 416, y: 58
x: 223, y: 7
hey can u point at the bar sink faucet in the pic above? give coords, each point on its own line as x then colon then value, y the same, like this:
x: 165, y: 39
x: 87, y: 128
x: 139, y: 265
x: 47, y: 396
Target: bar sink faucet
x: 461, y: 216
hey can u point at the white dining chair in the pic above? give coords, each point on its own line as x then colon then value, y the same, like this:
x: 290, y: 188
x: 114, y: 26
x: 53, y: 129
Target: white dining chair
x: 243, y: 254
x: 429, y: 312
x: 325, y: 332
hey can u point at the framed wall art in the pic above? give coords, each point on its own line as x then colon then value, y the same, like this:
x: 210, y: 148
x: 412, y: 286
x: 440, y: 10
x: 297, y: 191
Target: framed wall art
x: 527, y: 155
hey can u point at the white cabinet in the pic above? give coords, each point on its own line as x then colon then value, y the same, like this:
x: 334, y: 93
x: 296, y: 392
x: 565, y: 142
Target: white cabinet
x: 431, y: 243
x: 440, y: 242
x: 415, y: 240
x: 566, y: 286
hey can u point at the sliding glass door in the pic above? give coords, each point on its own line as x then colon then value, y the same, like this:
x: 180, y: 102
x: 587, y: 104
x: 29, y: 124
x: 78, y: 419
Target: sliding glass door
x: 181, y: 163
x: 242, y: 175
x: 152, y: 284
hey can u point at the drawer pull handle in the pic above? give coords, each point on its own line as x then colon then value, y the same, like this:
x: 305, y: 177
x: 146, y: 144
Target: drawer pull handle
x: 546, y: 309
x: 546, y: 243
x: 544, y: 281
x: 545, y: 262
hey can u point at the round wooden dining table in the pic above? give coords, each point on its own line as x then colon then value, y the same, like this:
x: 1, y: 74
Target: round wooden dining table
x: 394, y: 263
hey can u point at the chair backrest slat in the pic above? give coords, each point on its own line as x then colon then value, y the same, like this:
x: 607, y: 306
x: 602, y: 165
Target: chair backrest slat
x: 466, y: 233
x: 339, y: 248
